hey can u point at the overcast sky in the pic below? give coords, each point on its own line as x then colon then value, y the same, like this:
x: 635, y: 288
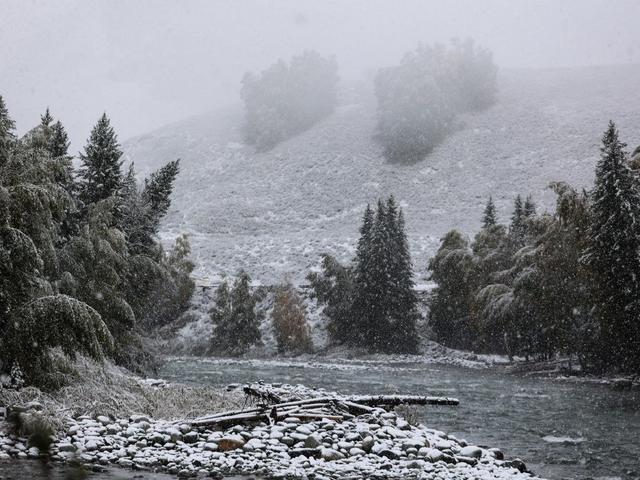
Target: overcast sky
x: 148, y: 63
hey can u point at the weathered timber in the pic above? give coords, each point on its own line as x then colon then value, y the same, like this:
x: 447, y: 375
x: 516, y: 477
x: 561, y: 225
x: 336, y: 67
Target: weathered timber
x: 268, y: 395
x: 395, y: 400
x: 335, y: 407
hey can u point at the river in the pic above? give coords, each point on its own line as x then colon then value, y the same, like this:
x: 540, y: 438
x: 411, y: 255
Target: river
x: 561, y: 429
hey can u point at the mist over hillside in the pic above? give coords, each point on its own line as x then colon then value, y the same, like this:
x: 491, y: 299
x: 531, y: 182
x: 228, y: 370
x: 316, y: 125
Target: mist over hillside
x: 274, y: 213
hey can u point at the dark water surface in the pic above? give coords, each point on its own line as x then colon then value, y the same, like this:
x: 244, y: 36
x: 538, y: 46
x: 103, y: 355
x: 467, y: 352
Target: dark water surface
x: 36, y: 470
x: 601, y: 426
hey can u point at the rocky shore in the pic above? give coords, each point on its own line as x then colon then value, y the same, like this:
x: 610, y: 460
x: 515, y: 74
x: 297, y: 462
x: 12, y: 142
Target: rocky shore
x: 377, y: 445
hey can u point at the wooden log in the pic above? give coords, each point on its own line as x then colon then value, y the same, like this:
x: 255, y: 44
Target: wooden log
x: 320, y: 416
x: 395, y: 400
x: 316, y: 408
x: 369, y: 400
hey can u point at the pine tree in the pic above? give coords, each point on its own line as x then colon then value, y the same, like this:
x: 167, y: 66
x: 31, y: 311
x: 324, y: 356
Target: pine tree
x: 333, y: 287
x: 355, y: 335
x: 245, y: 318
x: 384, y: 303
x: 404, y: 314
x: 516, y: 229
x: 372, y: 286
x: 134, y: 216
x: 220, y: 314
x: 100, y: 174
x: 529, y: 208
x: 516, y: 218
x: 452, y: 268
x: 7, y: 135
x: 612, y: 255
x: 489, y: 217
x: 365, y: 233
x: 157, y: 191
x: 46, y: 119
x: 58, y: 141
x: 236, y: 323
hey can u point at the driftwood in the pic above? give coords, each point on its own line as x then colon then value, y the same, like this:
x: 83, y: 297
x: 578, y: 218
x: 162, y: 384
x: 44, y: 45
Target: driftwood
x: 330, y: 406
x: 264, y: 394
x: 395, y: 400
x: 322, y: 409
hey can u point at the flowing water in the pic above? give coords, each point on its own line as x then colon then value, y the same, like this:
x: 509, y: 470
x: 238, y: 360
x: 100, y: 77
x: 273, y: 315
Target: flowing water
x: 561, y: 429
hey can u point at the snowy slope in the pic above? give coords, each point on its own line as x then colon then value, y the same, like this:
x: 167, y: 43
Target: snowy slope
x: 274, y: 213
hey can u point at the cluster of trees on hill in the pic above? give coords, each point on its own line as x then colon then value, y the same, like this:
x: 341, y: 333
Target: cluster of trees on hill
x: 418, y: 100
x: 288, y: 98
x: 563, y: 283
x: 372, y: 303
x: 238, y: 310
x: 81, y: 270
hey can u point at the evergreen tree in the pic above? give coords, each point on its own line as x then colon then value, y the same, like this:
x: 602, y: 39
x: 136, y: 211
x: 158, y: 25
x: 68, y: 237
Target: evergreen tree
x: 220, y: 314
x: 236, y: 322
x: 333, y: 288
x: 7, y: 136
x: 372, y: 286
x: 245, y: 318
x: 365, y: 234
x: 58, y: 141
x: 489, y: 217
x: 450, y: 308
x: 529, y: 208
x: 157, y: 192
x: 100, y: 175
x: 384, y: 301
x: 46, y: 119
x: 612, y: 254
x: 518, y: 212
x: 134, y: 216
x: 404, y: 313
x: 516, y: 229
x: 553, y: 284
x: 74, y: 286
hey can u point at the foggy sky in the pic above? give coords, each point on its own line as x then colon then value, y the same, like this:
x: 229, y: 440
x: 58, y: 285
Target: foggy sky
x: 149, y: 63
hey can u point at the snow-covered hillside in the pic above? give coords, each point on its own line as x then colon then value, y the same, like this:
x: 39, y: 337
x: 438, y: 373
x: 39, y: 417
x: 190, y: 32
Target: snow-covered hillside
x: 274, y: 213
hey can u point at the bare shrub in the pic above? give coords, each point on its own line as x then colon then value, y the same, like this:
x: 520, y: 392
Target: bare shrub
x: 290, y: 322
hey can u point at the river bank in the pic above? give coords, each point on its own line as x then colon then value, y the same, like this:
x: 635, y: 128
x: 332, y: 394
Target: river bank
x: 379, y: 444
x: 110, y: 418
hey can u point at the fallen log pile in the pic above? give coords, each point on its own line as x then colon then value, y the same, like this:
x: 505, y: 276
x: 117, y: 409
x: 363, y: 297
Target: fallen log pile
x: 274, y: 406
x: 287, y: 393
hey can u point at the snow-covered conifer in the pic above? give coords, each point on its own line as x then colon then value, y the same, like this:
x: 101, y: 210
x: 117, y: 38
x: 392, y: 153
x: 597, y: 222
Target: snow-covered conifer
x: 613, y: 253
x: 100, y: 175
x: 489, y: 216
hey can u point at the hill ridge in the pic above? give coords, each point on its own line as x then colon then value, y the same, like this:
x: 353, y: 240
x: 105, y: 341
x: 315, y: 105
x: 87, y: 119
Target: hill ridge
x: 274, y: 213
